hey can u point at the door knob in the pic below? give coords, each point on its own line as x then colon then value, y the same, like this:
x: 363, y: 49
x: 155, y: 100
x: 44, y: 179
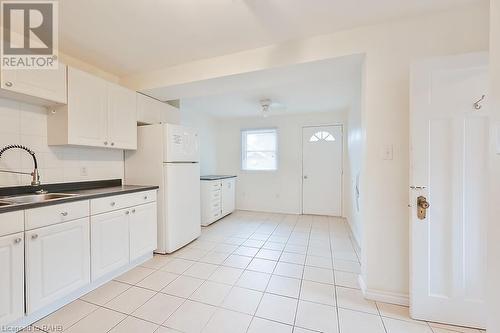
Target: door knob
x: 8, y: 84
x: 422, y: 206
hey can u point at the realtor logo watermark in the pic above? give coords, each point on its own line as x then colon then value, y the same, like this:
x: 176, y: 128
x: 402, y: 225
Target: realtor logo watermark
x: 29, y: 34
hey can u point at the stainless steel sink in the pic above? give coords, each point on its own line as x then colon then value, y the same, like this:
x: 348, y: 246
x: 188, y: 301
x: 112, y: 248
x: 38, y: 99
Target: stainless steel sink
x: 34, y: 198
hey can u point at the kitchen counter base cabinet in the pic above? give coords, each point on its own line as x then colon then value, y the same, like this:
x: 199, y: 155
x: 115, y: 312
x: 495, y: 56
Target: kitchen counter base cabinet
x: 110, y: 242
x: 12, y: 277
x: 57, y: 262
x: 217, y: 199
x: 61, y: 255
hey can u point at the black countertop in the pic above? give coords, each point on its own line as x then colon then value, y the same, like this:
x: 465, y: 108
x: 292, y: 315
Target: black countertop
x: 84, y: 191
x: 216, y: 177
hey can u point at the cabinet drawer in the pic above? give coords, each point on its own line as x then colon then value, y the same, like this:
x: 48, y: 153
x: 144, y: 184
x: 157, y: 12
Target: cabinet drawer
x: 216, y: 195
x: 44, y: 216
x: 108, y: 204
x: 11, y: 223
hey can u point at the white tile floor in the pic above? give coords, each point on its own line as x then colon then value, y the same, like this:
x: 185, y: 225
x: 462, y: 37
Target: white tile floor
x: 250, y: 272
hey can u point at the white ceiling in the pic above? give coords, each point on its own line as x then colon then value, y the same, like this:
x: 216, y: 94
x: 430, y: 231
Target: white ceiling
x: 130, y: 36
x: 322, y: 86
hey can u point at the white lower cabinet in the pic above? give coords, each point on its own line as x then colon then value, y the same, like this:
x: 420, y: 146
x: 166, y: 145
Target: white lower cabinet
x: 11, y: 278
x: 57, y: 262
x: 110, y: 242
x: 217, y: 199
x: 143, y: 229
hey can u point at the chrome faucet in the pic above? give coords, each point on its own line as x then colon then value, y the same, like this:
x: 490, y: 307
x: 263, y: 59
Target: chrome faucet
x: 35, y: 175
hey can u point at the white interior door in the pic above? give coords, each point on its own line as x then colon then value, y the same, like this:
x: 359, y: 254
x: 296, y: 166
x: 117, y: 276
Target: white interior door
x: 322, y: 170
x: 449, y: 145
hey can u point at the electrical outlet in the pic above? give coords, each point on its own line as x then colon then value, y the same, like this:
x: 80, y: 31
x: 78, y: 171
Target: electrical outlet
x: 387, y: 152
x: 84, y: 171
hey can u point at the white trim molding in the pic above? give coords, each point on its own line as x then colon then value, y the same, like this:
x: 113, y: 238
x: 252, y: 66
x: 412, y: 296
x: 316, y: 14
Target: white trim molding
x: 383, y: 296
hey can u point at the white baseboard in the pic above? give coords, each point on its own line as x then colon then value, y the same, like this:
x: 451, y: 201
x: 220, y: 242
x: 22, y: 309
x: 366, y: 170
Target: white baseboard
x: 383, y: 296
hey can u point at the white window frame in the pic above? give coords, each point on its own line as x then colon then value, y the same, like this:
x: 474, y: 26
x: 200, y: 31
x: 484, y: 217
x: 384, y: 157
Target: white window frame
x: 243, y: 147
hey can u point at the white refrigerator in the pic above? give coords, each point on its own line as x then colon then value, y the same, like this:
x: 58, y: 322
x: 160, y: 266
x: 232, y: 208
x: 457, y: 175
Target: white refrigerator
x: 168, y: 156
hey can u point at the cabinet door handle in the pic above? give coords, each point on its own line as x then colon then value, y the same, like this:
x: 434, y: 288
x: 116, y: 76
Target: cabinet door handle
x: 18, y: 240
x: 133, y: 210
x: 145, y: 197
x: 112, y: 143
x: 105, y: 143
x: 8, y: 84
x: 127, y: 212
x: 35, y: 236
x: 64, y: 213
x: 113, y: 203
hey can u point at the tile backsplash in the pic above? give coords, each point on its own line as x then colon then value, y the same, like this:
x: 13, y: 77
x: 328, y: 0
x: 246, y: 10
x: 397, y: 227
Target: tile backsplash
x: 26, y: 124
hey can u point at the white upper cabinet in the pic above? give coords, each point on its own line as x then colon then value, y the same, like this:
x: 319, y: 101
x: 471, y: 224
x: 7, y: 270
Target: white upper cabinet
x: 37, y: 86
x: 98, y: 114
x: 152, y: 111
x: 87, y: 109
x: 122, y: 117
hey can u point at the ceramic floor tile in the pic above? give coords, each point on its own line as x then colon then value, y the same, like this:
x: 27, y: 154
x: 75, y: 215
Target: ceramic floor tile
x: 289, y: 270
x: 262, y: 265
x: 293, y: 258
x: 130, y: 300
x: 135, y: 275
x: 246, y: 251
x: 355, y: 322
x: 216, y: 258
x: 68, y: 315
x: 318, y: 292
x: 134, y: 325
x: 274, y: 246
x: 177, y: 266
x: 159, y: 308
x: 106, y: 292
x: 285, y: 286
x: 300, y: 249
x: 254, y: 280
x: 212, y: 293
x: 353, y: 299
x: 317, y: 317
x: 303, y: 330
x: 394, y: 311
x: 347, y: 266
x: 163, y: 329
x: 346, y: 279
x: 254, y: 243
x: 158, y: 280
x: 237, y: 261
x: 268, y: 254
x: 401, y: 326
x: 317, y: 261
x: 243, y: 300
x: 157, y: 262
x: 443, y: 328
x: 260, y: 325
x: 201, y: 270
x: 99, y: 321
x: 277, y: 308
x: 225, y: 248
x: 226, y: 321
x: 317, y: 274
x: 227, y: 275
x: 190, y: 254
x: 183, y: 286
x: 190, y: 317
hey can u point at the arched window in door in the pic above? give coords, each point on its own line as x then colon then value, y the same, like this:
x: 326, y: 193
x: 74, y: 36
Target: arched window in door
x: 322, y: 136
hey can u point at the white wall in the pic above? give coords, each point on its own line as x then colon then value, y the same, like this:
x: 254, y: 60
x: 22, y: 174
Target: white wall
x: 494, y: 229
x: 390, y: 48
x: 206, y: 126
x: 27, y: 125
x: 352, y: 172
x: 270, y: 191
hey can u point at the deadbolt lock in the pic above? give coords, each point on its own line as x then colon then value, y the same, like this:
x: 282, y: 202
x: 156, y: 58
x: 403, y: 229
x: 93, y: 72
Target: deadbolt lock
x: 422, y: 206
